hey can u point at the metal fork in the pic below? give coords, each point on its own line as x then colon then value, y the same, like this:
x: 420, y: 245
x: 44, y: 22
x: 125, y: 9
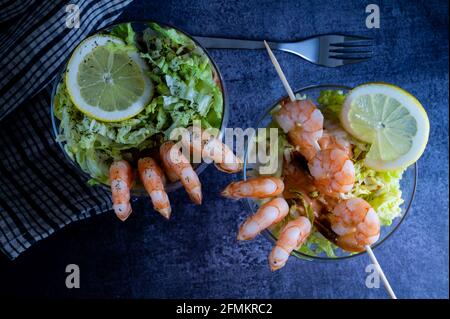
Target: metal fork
x: 330, y: 50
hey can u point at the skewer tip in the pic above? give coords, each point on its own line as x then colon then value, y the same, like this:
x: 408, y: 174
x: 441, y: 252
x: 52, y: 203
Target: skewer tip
x: 280, y: 72
x: 380, y: 272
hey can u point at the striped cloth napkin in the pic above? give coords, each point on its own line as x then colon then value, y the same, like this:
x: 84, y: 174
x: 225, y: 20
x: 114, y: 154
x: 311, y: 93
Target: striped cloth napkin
x: 39, y: 191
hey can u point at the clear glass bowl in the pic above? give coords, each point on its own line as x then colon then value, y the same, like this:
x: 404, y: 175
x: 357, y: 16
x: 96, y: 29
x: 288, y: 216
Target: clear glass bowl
x: 408, y: 183
x: 139, y: 27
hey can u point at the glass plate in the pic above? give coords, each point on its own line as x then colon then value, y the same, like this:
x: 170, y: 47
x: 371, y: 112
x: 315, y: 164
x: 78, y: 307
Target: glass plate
x: 139, y: 27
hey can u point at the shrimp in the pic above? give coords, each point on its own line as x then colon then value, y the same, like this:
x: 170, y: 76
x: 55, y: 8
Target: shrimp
x: 303, y: 123
x: 331, y: 141
x: 223, y: 157
x: 167, y: 170
x: 121, y: 179
x: 257, y: 187
x: 153, y: 179
x: 356, y: 224
x: 180, y: 166
x: 333, y: 172
x: 291, y: 236
x: 210, y: 147
x: 267, y: 215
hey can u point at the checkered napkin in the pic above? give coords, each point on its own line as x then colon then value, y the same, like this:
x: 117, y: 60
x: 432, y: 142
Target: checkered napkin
x: 39, y: 191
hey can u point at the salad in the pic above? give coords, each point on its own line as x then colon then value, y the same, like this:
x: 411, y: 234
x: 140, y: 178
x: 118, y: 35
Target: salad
x: 381, y: 189
x: 124, y: 92
x: 339, y: 164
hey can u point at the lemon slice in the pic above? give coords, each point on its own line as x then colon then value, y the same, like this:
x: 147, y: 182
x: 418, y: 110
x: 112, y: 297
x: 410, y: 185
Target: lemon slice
x: 389, y: 118
x: 107, y: 84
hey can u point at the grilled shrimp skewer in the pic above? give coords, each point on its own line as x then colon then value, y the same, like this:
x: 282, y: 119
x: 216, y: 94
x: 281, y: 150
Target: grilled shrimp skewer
x: 178, y: 164
x: 153, y: 179
x: 121, y: 179
x: 300, y: 119
x: 256, y: 187
x: 303, y: 122
x: 354, y: 219
x: 267, y: 215
x: 293, y: 235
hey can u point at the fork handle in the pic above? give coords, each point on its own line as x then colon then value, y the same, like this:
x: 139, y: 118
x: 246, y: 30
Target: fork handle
x: 223, y: 43
x: 307, y: 49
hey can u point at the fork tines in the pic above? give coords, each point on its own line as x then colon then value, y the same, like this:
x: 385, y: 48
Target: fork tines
x: 351, y: 49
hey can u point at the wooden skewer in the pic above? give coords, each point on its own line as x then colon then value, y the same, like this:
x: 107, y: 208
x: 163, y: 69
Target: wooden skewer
x: 285, y: 82
x: 280, y: 73
x: 380, y: 272
x: 292, y: 97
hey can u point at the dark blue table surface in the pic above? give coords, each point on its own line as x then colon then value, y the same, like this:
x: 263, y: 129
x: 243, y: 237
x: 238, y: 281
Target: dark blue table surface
x: 196, y: 254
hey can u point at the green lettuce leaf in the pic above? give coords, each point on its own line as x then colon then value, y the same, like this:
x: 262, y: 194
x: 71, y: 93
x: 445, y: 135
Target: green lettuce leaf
x: 331, y: 102
x: 125, y: 32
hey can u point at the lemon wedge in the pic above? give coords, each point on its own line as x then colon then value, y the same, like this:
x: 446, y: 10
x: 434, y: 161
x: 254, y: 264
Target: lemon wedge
x: 107, y: 84
x: 392, y: 120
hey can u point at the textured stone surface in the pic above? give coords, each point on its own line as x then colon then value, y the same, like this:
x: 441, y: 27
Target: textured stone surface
x: 196, y: 254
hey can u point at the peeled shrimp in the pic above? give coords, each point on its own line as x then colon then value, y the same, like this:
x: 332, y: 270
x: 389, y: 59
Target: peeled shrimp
x: 303, y: 123
x: 333, y: 172
x: 121, y: 179
x: 178, y: 164
x: 356, y: 224
x: 332, y: 141
x: 167, y: 170
x: 212, y: 148
x: 291, y: 236
x: 256, y: 187
x: 267, y: 215
x: 223, y: 157
x: 153, y: 179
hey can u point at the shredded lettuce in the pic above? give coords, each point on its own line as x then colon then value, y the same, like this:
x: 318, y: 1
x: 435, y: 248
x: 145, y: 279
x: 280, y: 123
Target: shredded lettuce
x: 183, y: 77
x: 185, y: 90
x: 317, y: 245
x: 125, y: 32
x: 381, y: 190
x: 331, y: 102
